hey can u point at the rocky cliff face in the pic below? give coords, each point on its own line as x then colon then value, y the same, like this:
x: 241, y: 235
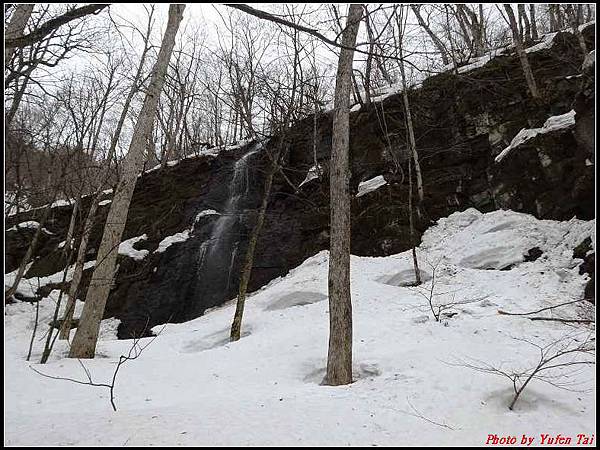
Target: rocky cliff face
x: 463, y: 121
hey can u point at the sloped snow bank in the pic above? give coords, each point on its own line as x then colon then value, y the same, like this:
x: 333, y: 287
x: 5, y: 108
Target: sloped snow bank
x: 192, y: 387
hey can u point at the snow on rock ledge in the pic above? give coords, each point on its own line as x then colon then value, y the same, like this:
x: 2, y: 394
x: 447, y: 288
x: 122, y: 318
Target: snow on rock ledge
x: 206, y: 212
x: 30, y: 224
x: 370, y: 185
x: 312, y: 174
x: 126, y: 248
x: 170, y: 240
x: 554, y: 123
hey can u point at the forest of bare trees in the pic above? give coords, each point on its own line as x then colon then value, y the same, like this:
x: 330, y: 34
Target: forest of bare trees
x: 421, y: 253
x: 94, y: 96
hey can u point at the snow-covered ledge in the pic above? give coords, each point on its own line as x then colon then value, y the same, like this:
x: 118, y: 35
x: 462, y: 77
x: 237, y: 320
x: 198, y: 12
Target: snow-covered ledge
x: 554, y: 123
x: 370, y: 185
x: 126, y: 248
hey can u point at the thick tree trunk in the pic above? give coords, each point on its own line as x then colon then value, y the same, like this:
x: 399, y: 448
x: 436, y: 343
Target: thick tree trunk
x: 89, y: 221
x: 16, y: 27
x: 78, y: 272
x: 84, y: 342
x: 339, y: 357
x: 529, y: 78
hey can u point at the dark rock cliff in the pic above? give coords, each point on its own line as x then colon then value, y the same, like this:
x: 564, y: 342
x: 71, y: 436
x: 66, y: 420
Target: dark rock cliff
x: 462, y: 122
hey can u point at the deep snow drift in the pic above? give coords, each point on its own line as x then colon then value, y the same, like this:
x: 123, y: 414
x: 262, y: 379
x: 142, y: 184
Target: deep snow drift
x: 192, y: 387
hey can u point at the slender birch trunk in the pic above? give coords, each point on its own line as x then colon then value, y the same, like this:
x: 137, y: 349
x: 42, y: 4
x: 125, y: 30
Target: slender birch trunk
x: 86, y: 336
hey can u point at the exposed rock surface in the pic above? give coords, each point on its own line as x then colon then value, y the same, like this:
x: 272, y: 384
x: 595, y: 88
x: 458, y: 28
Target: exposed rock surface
x: 462, y: 122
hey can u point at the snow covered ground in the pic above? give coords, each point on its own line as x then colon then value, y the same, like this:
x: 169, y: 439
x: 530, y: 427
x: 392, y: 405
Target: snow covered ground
x: 192, y: 387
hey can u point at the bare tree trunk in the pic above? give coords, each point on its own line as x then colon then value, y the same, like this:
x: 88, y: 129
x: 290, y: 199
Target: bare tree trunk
x: 84, y: 342
x: 574, y: 20
x: 30, y: 252
x: 436, y: 40
x: 89, y: 221
x: 411, y: 225
x: 589, y: 15
x: 14, y: 106
x: 553, y: 20
x: 449, y: 31
x: 249, y: 259
x: 16, y: 27
x: 560, y: 17
x: 314, y: 140
x: 482, y: 30
x: 78, y: 272
x: 49, y: 341
x: 171, y: 137
x: 468, y: 18
x: 369, y: 62
x: 521, y: 52
x: 71, y: 231
x: 534, y: 31
x: 339, y: 357
x: 527, y: 28
x: 35, y: 326
x: 409, y: 121
x: 357, y: 96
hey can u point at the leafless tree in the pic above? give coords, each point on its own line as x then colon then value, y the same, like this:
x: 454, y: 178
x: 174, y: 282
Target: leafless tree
x: 417, y: 9
x: 339, y: 357
x: 574, y: 14
x: 51, y: 25
x: 90, y: 218
x: 557, y: 363
x: 529, y: 78
x: 84, y: 342
x: 287, y: 107
x: 16, y: 27
x: 135, y: 351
